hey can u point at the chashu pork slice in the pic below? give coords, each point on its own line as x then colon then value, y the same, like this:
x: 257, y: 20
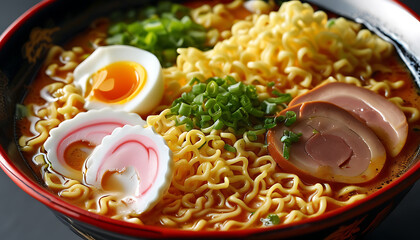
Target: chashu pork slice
x: 382, y: 116
x: 334, y: 146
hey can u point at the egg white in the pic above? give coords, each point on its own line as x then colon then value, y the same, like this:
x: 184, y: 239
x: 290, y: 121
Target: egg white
x: 148, y: 97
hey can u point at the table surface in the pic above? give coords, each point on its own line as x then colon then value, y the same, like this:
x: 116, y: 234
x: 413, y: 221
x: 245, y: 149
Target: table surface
x: 22, y: 217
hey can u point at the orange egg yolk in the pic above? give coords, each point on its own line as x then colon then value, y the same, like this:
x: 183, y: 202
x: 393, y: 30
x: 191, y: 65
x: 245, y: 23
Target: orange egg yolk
x: 118, y: 82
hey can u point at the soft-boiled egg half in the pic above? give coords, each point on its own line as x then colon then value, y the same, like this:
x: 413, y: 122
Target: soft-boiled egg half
x: 120, y: 77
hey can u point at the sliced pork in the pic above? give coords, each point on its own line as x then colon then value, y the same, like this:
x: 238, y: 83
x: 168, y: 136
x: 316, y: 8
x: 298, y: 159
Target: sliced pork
x: 383, y: 117
x: 334, y: 146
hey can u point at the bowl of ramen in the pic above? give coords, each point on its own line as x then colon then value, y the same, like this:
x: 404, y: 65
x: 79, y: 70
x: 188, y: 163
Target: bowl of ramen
x: 212, y: 119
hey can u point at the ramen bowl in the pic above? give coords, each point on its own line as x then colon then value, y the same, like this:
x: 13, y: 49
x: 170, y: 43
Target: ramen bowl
x: 22, y: 51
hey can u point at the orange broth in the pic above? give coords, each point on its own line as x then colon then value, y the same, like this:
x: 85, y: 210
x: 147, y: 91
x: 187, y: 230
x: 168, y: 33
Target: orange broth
x: 393, y: 168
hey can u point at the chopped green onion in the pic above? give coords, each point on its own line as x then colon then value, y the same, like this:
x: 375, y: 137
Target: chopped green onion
x: 256, y: 112
x: 133, y: 28
x: 272, y: 219
x: 185, y: 109
x: 229, y: 148
x: 269, y: 108
x: 119, y: 38
x: 237, y: 88
x: 198, y: 99
x: 279, y: 119
x: 230, y: 80
x: 237, y: 115
x: 215, y: 112
x: 205, y: 118
x: 212, y: 89
x: 154, y: 26
x: 218, y: 125
x: 151, y: 39
x: 287, y: 139
x: 184, y: 120
x: 188, y: 97
x: 251, y: 92
x: 290, y: 118
x: 270, y: 123
x: 194, y: 81
x: 84, y: 56
x: 223, y: 103
x: 117, y: 28
x: 210, y: 103
x: 160, y: 29
x: 223, y: 98
x: 175, y: 108
x: 282, y: 98
x: 253, y: 135
x: 199, y: 88
x: 330, y: 22
x: 279, y: 94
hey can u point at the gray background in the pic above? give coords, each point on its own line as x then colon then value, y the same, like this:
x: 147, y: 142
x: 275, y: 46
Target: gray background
x: 22, y: 217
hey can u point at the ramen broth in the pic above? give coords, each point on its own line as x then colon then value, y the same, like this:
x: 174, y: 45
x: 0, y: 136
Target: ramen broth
x: 38, y: 98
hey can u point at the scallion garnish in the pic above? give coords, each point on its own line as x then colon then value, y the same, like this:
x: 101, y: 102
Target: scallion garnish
x: 160, y: 29
x: 290, y: 118
x: 330, y: 22
x: 223, y: 103
x: 272, y: 219
x: 230, y: 148
x: 288, y: 138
